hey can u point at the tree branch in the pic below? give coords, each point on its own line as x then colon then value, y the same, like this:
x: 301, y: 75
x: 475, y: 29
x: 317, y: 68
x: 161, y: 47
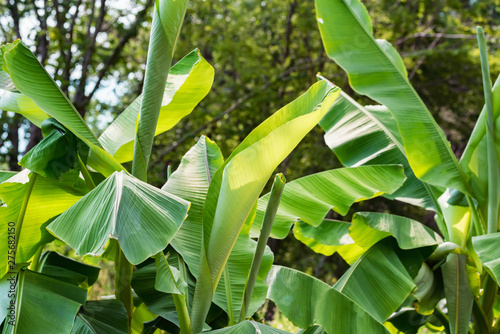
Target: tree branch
x: 434, y: 35
x: 421, y: 60
x: 111, y: 60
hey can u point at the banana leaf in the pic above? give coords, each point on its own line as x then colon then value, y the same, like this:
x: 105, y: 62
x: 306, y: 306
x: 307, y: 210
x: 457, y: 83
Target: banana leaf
x: 329, y: 237
x: 48, y: 199
x: 370, y: 227
x: 310, y: 198
x: 488, y: 251
x: 236, y: 185
x: 459, y: 298
x: 316, y: 303
x: 190, y: 182
x: 141, y: 217
x: 31, y: 79
x: 21, y: 104
x: 188, y: 83
x: 248, y: 327
x: 101, y: 316
x: 368, y: 135
x: 167, y: 21
x: 376, y: 70
x: 44, y: 302
x: 55, y: 154
x: 378, y: 281
x: 68, y: 270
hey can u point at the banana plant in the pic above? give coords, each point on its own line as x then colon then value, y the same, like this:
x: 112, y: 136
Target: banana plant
x: 186, y: 248
x: 401, y: 270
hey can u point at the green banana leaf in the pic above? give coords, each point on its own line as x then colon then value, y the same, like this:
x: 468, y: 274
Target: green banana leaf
x: 378, y: 281
x: 57, y: 153
x: 44, y: 302
x: 316, y: 303
x: 5, y: 175
x: 168, y: 278
x: 312, y: 330
x: 369, y: 135
x: 101, y: 316
x: 48, y: 199
x: 329, y: 237
x: 167, y: 21
x: 458, y: 293
x: 488, y: 251
x: 144, y: 283
x: 141, y: 217
x: 68, y: 270
x: 311, y: 197
x: 368, y: 228
x: 456, y: 217
x: 140, y: 316
x: 474, y: 161
x: 190, y: 182
x: 157, y: 302
x: 235, y: 187
x: 21, y: 104
x: 31, y: 79
x: 188, y: 82
x: 248, y: 327
x: 375, y: 69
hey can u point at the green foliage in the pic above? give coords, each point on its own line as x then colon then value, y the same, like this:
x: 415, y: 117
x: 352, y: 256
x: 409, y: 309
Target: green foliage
x: 191, y: 241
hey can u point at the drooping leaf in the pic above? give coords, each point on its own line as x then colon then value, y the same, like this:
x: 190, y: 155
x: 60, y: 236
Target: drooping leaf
x: 312, y: 330
x: 368, y: 228
x: 407, y: 320
x: 368, y: 135
x: 21, y: 104
x: 44, y: 302
x: 311, y: 197
x: 329, y: 237
x: 235, y: 188
x: 316, y: 303
x: 124, y: 208
x: 67, y: 270
x: 5, y: 175
x: 140, y: 316
x: 48, y: 199
x: 375, y: 69
x: 57, y: 153
x: 158, y: 302
x: 188, y: 83
x: 487, y: 248
x: 101, y: 316
x: 31, y: 79
x: 457, y: 219
x: 190, y: 182
x: 169, y: 278
x: 378, y: 281
x: 248, y: 327
x: 167, y: 21
x: 458, y: 294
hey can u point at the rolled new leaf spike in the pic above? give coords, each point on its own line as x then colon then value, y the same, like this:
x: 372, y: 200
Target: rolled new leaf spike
x: 141, y: 217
